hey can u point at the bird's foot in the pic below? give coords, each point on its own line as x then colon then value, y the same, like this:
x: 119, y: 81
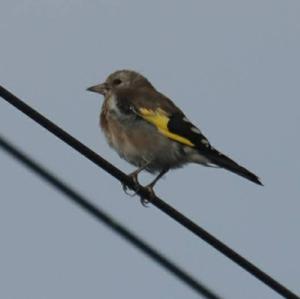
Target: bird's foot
x: 127, y: 192
x: 145, y: 201
x: 136, y: 184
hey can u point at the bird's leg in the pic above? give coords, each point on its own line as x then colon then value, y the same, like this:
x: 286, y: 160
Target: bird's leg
x: 134, y: 177
x: 151, y: 185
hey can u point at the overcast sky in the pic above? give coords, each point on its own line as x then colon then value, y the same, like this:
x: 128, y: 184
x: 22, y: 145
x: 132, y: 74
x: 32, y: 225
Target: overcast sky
x: 232, y: 66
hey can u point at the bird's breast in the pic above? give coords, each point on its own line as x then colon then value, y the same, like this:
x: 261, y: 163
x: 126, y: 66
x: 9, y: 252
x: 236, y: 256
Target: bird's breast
x: 120, y: 130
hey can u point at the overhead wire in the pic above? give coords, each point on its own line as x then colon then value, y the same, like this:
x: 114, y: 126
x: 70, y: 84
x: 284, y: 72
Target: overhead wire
x: 144, y: 193
x: 106, y: 219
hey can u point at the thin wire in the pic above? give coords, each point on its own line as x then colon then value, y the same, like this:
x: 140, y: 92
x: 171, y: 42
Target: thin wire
x: 102, y: 216
x: 144, y: 193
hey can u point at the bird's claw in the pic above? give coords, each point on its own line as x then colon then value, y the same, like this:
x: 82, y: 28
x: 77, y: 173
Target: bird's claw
x: 151, y: 193
x: 135, y: 183
x: 125, y: 189
x: 136, y: 187
x: 144, y: 202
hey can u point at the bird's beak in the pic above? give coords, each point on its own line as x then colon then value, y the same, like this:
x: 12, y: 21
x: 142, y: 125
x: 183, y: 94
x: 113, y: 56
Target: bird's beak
x: 100, y: 88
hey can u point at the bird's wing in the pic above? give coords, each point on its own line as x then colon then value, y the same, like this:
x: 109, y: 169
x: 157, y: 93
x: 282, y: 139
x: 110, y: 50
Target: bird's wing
x: 177, y: 127
x: 169, y: 120
x: 172, y: 123
x: 174, y: 126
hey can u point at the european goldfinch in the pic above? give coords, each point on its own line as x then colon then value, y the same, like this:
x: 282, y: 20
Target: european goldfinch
x: 149, y: 131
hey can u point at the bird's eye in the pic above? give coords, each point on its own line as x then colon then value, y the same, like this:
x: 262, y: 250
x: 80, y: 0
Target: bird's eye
x: 117, y: 81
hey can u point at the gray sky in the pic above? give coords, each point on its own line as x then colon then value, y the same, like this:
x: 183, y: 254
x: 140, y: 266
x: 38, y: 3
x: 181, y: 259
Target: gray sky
x: 232, y: 66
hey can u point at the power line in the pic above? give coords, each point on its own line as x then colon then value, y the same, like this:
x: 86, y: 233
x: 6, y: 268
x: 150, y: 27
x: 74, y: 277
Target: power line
x: 144, y: 193
x: 102, y: 216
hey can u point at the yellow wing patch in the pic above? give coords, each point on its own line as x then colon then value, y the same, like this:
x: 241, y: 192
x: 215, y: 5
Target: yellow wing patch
x: 160, y: 119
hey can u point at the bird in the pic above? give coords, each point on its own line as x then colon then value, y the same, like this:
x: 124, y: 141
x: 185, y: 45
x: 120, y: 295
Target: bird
x: 149, y: 131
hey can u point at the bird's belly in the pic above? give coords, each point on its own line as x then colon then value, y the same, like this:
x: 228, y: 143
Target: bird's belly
x: 140, y: 143
x: 126, y: 149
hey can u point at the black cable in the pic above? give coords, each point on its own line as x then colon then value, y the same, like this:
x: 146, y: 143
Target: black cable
x: 144, y: 193
x: 102, y: 216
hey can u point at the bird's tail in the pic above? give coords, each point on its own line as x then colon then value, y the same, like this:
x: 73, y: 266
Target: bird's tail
x: 227, y: 163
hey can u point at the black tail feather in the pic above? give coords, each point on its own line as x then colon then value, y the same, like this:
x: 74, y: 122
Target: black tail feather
x: 225, y: 162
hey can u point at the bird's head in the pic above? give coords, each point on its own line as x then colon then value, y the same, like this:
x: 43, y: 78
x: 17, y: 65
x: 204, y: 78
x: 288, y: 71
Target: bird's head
x: 121, y: 80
